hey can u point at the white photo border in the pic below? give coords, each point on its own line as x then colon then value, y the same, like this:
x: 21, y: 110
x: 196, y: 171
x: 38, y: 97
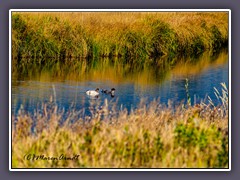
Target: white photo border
x: 117, y: 10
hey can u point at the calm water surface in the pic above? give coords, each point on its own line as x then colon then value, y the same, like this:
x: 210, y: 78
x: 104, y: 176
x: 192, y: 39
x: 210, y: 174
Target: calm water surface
x: 67, y: 84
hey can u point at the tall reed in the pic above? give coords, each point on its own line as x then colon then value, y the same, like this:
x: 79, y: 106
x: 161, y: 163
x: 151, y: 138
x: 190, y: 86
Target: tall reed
x: 133, y: 35
x: 151, y: 136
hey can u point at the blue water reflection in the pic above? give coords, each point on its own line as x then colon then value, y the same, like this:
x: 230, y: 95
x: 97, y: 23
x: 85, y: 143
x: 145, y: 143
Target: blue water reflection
x: 31, y: 93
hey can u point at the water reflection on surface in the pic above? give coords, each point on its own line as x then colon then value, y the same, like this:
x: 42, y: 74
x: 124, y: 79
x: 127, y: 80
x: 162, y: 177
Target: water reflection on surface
x: 161, y: 79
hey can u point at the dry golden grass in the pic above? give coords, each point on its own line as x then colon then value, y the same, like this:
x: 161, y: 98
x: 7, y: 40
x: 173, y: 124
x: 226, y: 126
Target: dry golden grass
x: 153, y: 136
x: 115, y: 33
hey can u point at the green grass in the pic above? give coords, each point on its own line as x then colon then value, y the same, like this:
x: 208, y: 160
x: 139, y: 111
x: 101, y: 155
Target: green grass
x: 152, y: 136
x: 135, y: 36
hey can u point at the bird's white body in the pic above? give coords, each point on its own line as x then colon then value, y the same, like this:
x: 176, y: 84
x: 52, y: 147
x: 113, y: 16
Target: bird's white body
x: 92, y: 92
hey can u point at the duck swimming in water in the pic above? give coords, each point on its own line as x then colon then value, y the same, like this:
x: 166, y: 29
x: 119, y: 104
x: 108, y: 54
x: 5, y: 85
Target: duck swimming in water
x: 93, y: 92
x: 112, y: 92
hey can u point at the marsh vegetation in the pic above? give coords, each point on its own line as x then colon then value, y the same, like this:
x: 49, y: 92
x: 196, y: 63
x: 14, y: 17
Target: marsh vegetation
x: 151, y: 136
x: 132, y: 35
x: 157, y: 61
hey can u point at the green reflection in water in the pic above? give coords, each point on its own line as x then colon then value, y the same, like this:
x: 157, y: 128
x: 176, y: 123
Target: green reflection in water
x: 116, y: 70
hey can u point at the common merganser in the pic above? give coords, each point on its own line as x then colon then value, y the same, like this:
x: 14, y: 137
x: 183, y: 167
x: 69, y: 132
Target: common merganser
x: 93, y: 92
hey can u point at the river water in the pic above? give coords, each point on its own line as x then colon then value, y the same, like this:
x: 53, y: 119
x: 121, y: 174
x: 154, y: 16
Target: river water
x: 162, y: 80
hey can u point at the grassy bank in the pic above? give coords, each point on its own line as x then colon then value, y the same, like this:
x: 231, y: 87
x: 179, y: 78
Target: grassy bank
x: 132, y: 35
x: 150, y: 136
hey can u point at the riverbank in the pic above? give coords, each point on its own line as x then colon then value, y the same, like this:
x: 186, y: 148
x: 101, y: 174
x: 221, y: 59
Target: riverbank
x: 132, y: 35
x: 151, y: 136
